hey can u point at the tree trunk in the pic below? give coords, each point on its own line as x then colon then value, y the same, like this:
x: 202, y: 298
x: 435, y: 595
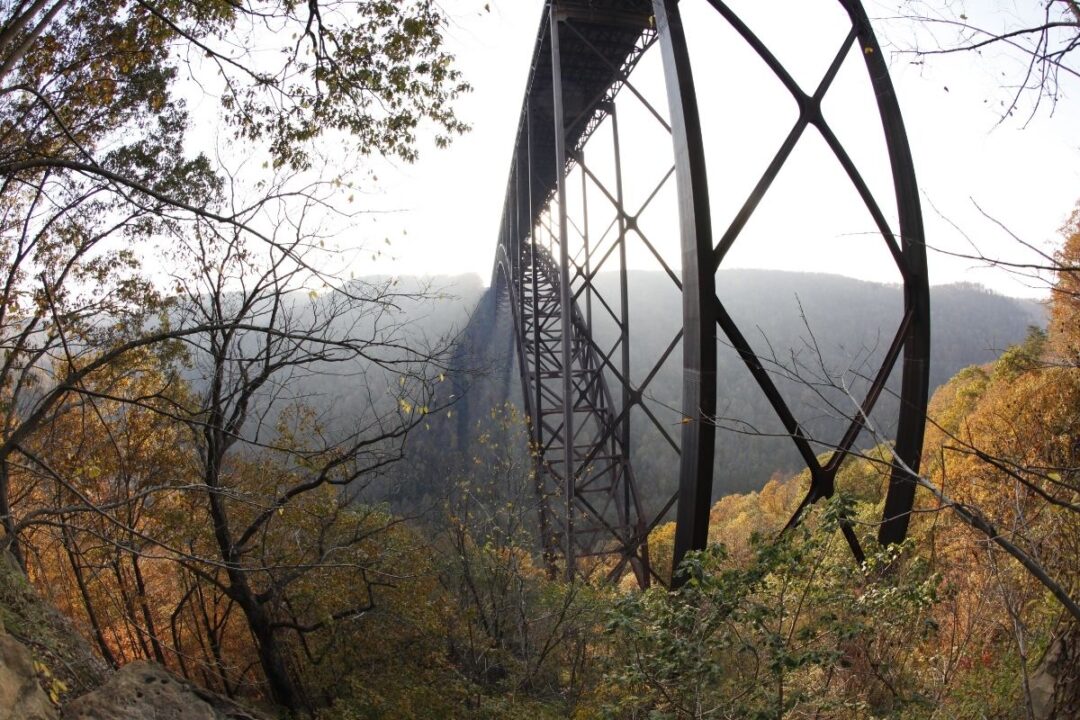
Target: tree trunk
x: 282, y: 688
x: 8, y: 522
x: 84, y: 592
x: 148, y: 617
x: 214, y: 630
x: 135, y: 633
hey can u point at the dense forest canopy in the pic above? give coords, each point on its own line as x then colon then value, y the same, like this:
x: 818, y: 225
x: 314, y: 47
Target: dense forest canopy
x: 195, y: 414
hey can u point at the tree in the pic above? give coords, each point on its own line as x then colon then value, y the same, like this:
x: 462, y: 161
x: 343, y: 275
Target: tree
x: 92, y: 484
x: 265, y: 476
x: 118, y: 241
x: 253, y: 511
x: 1044, y: 34
x: 1065, y: 297
x: 792, y: 630
x: 95, y: 175
x: 514, y: 624
x: 999, y: 484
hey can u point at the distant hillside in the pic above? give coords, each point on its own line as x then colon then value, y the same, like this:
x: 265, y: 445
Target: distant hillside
x: 827, y: 329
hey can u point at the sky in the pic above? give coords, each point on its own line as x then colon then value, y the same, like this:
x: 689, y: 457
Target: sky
x: 982, y: 177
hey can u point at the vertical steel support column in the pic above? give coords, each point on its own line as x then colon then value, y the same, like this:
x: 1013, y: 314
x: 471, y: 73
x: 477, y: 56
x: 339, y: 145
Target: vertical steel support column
x: 551, y: 233
x: 915, y: 388
x: 546, y: 539
x: 535, y: 302
x: 624, y: 295
x: 628, y: 400
x: 564, y: 290
x: 585, y: 240
x: 698, y: 292
x: 509, y: 245
x: 624, y: 308
x: 511, y: 262
x: 519, y: 259
x: 512, y: 223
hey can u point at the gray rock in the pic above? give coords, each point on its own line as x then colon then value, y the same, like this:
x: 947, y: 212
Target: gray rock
x: 1055, y: 684
x: 21, y: 696
x: 146, y: 691
x: 67, y: 661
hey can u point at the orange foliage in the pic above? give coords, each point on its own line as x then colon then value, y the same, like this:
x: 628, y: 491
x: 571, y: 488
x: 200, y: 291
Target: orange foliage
x: 1065, y: 301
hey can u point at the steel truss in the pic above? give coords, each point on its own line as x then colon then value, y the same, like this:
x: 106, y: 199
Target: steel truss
x: 588, y: 500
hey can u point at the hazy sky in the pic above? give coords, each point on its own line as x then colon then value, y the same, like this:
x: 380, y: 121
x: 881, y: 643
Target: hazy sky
x: 1024, y: 171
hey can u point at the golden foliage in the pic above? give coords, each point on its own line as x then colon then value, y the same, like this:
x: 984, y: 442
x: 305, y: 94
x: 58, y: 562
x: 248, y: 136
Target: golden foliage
x: 1065, y: 300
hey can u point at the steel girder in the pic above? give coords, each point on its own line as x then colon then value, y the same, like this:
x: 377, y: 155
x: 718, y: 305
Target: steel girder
x: 587, y: 499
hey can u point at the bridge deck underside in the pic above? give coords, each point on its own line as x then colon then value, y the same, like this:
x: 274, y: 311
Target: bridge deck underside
x: 605, y: 42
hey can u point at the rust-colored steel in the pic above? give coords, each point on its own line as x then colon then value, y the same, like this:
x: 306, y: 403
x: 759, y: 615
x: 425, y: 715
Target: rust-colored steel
x: 590, y: 515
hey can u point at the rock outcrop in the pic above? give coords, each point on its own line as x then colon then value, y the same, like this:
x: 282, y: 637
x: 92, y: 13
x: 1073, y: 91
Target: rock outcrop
x: 146, y: 691
x: 1055, y: 684
x: 21, y: 696
x: 64, y: 663
x: 45, y: 664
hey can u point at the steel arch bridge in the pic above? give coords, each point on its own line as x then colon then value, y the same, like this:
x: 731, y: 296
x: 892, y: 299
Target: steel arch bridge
x: 579, y: 390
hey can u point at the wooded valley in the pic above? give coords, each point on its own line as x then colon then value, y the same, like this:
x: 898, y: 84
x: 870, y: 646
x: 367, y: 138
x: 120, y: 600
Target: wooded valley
x: 237, y: 483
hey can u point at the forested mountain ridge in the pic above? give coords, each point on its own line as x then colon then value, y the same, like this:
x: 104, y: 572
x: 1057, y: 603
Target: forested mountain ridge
x: 849, y: 321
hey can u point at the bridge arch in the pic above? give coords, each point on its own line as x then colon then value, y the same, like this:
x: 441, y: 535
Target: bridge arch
x: 578, y: 393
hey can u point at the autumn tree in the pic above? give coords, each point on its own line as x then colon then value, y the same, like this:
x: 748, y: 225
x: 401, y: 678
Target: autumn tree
x: 270, y: 467
x: 96, y: 174
x: 999, y: 506
x: 1011, y: 452
x: 90, y: 486
x: 118, y: 239
x: 1065, y: 298
x: 792, y: 629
